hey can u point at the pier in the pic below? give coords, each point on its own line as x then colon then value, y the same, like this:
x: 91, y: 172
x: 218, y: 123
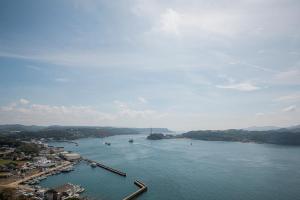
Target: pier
x: 143, y: 188
x: 106, y: 167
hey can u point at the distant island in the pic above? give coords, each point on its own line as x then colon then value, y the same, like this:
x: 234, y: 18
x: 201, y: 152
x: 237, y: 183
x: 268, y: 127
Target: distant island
x: 22, y: 132
x: 15, y: 132
x: 283, y: 136
x: 159, y: 136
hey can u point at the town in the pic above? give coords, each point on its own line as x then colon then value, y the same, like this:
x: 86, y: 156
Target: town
x: 23, y: 164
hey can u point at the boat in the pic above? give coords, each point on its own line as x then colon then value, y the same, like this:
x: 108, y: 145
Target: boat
x: 94, y: 164
x: 68, y: 169
x: 80, y: 190
x: 130, y: 141
x: 33, y: 182
x: 42, y: 178
x: 107, y: 143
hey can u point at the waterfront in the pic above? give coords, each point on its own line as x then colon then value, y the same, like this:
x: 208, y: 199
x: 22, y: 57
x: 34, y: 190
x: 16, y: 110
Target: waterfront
x: 174, y: 169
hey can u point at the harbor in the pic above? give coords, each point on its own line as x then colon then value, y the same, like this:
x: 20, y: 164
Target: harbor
x: 93, y: 163
x: 53, y: 161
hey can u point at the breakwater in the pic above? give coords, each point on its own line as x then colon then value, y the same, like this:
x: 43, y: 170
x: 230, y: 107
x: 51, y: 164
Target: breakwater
x: 106, y: 167
x: 143, y: 188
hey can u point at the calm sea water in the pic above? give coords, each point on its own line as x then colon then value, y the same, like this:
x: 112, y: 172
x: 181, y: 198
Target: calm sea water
x: 174, y: 169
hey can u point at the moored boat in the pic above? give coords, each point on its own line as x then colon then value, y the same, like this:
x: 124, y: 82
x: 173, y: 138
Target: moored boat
x: 93, y: 164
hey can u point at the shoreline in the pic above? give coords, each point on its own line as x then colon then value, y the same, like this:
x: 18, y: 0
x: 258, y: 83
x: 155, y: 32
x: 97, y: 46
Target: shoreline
x: 18, y: 183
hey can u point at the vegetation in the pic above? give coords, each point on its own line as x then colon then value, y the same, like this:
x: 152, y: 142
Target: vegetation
x: 159, y: 136
x: 10, y: 134
x: 155, y: 136
x: 6, y: 140
x: 281, y: 136
x: 28, y: 149
x: 7, y: 161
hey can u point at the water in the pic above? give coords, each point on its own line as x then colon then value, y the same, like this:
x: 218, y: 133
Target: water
x: 174, y: 169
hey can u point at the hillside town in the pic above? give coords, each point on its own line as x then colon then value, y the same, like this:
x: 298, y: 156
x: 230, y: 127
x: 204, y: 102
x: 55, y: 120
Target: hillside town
x: 24, y: 164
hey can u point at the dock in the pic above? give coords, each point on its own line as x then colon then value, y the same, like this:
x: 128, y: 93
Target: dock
x: 143, y: 188
x: 106, y: 167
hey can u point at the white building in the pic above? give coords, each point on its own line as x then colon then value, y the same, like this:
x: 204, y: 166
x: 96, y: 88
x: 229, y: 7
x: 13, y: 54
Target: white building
x: 71, y: 156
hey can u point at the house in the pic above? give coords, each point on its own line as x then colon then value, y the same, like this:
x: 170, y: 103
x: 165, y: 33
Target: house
x: 43, y: 162
x: 63, y: 192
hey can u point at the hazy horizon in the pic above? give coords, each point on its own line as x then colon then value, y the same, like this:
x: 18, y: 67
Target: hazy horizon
x: 183, y: 65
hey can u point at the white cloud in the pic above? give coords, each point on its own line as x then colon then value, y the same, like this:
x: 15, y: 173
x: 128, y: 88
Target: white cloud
x: 23, y: 101
x: 126, y: 111
x: 25, y: 112
x: 199, y: 18
x: 289, y: 108
x: 62, y: 80
x: 289, y: 77
x: 9, y: 107
x: 289, y: 98
x: 169, y: 22
x: 196, y: 24
x: 247, y: 87
x: 142, y: 100
x: 33, y: 67
x: 259, y: 114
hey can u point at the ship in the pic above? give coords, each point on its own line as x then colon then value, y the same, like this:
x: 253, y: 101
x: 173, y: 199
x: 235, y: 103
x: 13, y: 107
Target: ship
x: 130, y: 141
x: 68, y: 169
x: 107, y: 143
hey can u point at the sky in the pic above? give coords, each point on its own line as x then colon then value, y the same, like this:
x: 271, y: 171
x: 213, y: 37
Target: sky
x: 180, y: 64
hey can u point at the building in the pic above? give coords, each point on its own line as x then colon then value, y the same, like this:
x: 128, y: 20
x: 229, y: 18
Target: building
x: 63, y: 192
x: 43, y: 162
x: 71, y: 156
x: 6, y: 151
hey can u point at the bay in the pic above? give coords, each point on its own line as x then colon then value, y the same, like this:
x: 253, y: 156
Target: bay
x: 175, y: 169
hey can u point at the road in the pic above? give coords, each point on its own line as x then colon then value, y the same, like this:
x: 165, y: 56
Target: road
x: 16, y: 184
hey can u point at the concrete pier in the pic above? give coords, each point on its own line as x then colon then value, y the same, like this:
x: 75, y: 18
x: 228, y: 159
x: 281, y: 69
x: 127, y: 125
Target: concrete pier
x: 143, y: 188
x: 106, y: 167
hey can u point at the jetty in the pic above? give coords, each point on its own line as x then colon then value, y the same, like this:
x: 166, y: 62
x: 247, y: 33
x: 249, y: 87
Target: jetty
x: 143, y: 188
x: 106, y: 167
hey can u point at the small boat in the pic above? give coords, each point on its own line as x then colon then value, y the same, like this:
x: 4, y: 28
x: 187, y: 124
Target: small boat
x: 42, y: 177
x: 68, y: 169
x: 107, y: 143
x: 94, y: 164
x: 81, y: 189
x: 130, y: 141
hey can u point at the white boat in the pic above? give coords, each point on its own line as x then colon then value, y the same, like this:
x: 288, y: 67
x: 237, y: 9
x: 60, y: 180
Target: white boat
x: 68, y: 169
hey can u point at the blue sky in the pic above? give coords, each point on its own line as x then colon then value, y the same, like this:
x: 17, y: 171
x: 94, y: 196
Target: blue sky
x: 138, y: 63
